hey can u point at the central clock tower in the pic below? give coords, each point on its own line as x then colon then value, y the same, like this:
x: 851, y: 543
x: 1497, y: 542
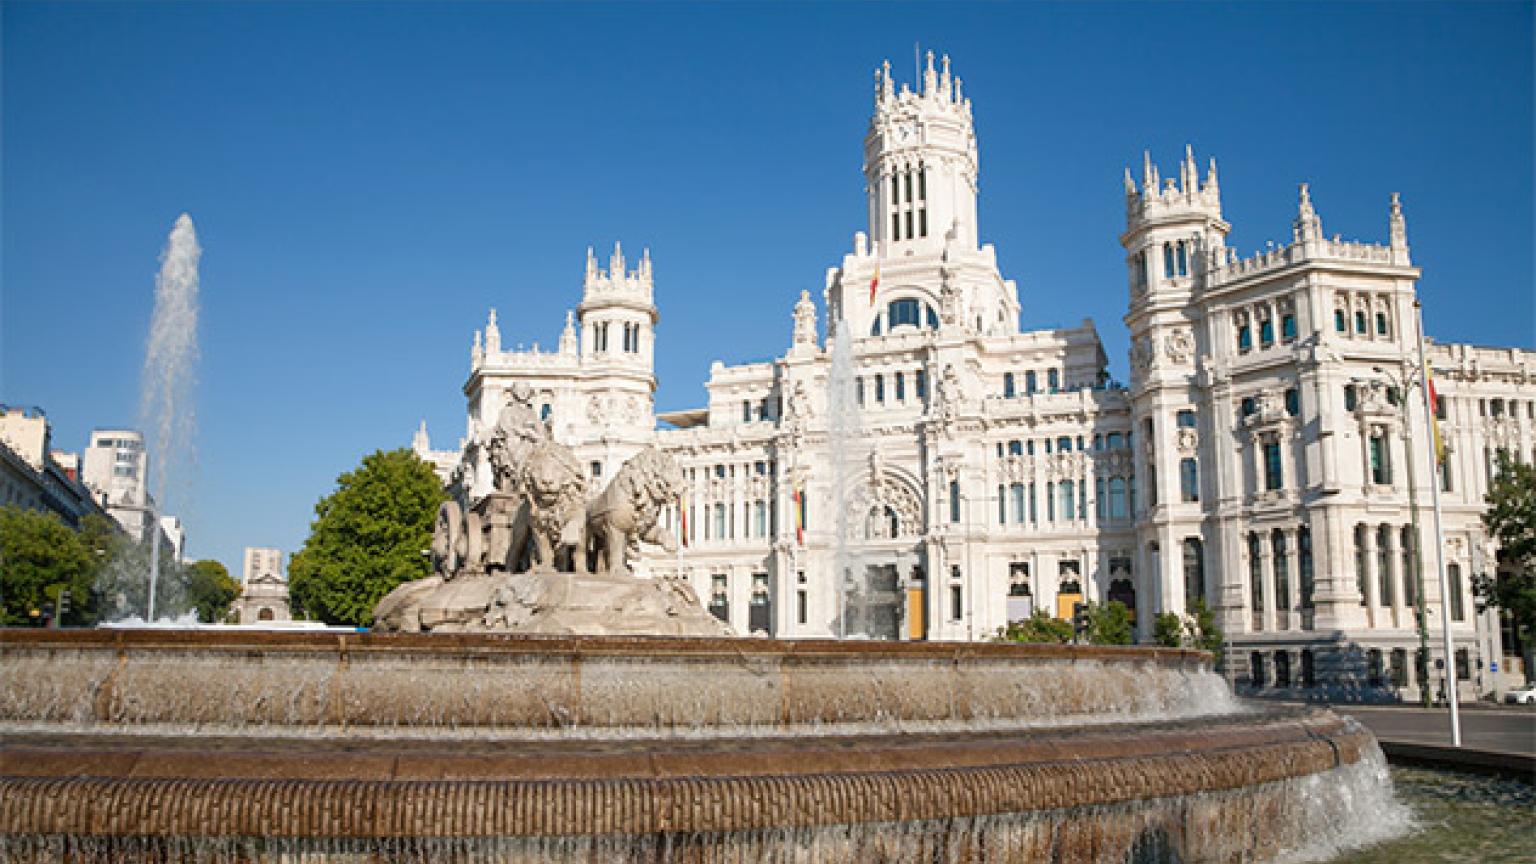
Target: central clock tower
x: 920, y: 163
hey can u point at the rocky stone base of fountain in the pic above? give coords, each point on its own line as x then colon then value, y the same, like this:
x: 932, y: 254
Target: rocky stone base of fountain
x: 547, y: 603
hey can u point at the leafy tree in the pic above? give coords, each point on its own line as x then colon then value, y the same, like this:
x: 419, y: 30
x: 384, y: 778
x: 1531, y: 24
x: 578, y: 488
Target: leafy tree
x: 1511, y: 520
x: 1196, y: 630
x: 1168, y: 630
x: 1109, y: 624
x: 1040, y: 627
x: 210, y: 590
x: 39, y: 556
x: 368, y: 537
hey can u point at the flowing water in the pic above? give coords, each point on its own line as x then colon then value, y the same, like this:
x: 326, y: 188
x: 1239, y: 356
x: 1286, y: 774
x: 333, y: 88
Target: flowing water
x: 1458, y: 819
x: 166, y: 384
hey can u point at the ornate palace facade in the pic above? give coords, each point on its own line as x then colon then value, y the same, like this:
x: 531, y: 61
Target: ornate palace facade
x: 1267, y: 457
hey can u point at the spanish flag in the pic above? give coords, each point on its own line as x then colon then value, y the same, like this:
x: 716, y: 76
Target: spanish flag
x: 682, y: 517
x: 799, y: 516
x: 874, y: 284
x: 1434, y: 415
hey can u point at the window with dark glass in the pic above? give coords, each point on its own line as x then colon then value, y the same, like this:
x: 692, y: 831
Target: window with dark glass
x: 954, y: 501
x: 1255, y: 574
x: 1053, y: 380
x: 1117, y: 498
x: 1185, y: 419
x: 1381, y: 470
x: 1029, y: 383
x: 1340, y: 321
x: 1360, y: 321
x: 880, y: 389
x: 901, y: 387
x: 1194, y: 571
x: 1272, y: 475
x: 920, y: 384
x: 1015, y: 448
x: 1292, y: 401
x: 1266, y: 332
x: 1351, y: 399
x: 1008, y: 385
x: 1244, y: 337
x: 1189, y: 479
x: 1249, y: 405
x: 1381, y: 324
x: 1288, y: 326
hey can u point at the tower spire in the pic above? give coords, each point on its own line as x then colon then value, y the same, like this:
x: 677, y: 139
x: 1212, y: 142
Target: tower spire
x: 1307, y: 226
x: 1398, y: 225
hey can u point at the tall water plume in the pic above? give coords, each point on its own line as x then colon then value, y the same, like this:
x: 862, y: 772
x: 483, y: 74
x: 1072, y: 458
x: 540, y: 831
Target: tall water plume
x: 166, y: 384
x: 843, y: 431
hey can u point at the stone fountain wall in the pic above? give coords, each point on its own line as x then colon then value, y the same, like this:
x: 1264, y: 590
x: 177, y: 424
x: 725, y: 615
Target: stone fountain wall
x: 166, y: 746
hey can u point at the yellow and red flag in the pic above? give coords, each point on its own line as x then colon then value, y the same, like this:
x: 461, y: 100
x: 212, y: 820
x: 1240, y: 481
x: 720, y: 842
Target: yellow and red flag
x: 799, y: 516
x: 1434, y: 415
x: 874, y: 284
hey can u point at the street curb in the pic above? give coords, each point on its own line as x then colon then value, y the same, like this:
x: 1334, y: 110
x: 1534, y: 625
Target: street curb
x: 1495, y: 763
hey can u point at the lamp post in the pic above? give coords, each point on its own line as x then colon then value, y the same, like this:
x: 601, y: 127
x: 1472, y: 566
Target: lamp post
x: 1402, y: 382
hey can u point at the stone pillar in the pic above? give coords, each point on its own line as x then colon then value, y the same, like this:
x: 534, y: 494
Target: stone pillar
x: 1267, y: 569
x: 1395, y: 577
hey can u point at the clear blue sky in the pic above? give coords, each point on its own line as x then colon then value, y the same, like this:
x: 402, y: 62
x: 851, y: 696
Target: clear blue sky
x: 368, y: 178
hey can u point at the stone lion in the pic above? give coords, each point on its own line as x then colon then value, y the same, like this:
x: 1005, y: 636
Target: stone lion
x: 630, y: 508
x: 555, y: 494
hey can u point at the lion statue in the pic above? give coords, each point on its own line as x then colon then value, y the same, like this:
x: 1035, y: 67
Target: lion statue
x: 629, y: 509
x: 555, y: 494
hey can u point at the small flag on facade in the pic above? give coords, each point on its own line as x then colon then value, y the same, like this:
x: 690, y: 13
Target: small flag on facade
x: 1434, y: 415
x: 799, y: 516
x: 682, y: 517
x: 874, y: 284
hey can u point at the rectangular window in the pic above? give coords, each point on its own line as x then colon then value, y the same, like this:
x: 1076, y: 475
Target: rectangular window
x: 922, y: 222
x: 909, y: 225
x: 1350, y: 397
x: 880, y: 389
x: 1292, y: 401
x: 1100, y: 501
x: 922, y: 184
x: 908, y: 178
x: 1065, y: 490
x: 1244, y: 338
x: 1340, y: 321
x: 954, y: 501
x: 1016, y: 491
x: 1360, y: 322
x: 1288, y: 326
x: 1002, y: 506
x: 1189, y: 480
x: 1052, y: 380
x: 895, y: 226
x: 956, y: 602
x: 1117, y: 498
x: 920, y: 384
x: 901, y: 387
x: 1381, y: 470
x: 1272, y: 475
x: 1453, y: 576
x: 1034, y: 515
x: 1266, y: 332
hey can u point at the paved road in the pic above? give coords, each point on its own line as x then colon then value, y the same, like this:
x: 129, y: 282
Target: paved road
x: 1505, y: 728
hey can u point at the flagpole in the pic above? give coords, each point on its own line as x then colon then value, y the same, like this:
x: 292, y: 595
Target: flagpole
x: 1451, y: 686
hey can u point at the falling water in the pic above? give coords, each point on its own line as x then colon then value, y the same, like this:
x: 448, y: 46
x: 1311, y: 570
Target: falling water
x: 843, y: 421
x: 166, y: 384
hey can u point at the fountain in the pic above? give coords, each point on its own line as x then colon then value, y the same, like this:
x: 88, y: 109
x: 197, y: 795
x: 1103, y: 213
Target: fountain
x: 165, y: 398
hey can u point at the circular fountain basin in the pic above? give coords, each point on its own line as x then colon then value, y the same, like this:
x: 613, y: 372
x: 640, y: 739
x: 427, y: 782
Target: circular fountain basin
x: 267, y: 746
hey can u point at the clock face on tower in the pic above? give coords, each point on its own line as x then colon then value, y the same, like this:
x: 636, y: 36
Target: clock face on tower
x: 906, y: 133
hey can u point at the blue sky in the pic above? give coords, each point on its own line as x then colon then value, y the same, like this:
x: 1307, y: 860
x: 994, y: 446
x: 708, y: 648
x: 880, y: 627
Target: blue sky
x: 367, y: 179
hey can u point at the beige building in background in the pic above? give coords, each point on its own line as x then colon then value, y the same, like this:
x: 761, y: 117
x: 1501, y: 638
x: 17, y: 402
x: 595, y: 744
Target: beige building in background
x: 263, y: 588
x: 1266, y: 458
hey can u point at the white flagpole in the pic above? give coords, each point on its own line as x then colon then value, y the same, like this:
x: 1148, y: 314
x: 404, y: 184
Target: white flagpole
x: 1451, y: 687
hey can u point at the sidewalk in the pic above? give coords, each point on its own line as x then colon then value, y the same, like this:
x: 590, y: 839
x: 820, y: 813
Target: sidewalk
x: 1496, y: 739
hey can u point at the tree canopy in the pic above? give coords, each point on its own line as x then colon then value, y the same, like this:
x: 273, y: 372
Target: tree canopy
x: 210, y: 589
x: 39, y: 555
x: 368, y: 537
x: 1511, y: 520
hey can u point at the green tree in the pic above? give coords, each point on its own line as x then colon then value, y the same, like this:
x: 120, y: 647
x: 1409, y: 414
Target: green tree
x: 368, y: 537
x: 210, y: 590
x: 39, y: 556
x: 1510, y: 518
x: 1109, y: 624
x: 1168, y: 630
x: 1199, y: 630
x: 1040, y: 627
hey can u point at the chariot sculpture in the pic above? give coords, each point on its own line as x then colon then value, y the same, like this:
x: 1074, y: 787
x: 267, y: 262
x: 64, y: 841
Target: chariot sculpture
x: 509, y: 559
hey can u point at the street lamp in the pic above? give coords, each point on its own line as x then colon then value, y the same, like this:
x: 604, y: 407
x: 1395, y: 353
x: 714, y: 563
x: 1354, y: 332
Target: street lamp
x: 1402, y: 383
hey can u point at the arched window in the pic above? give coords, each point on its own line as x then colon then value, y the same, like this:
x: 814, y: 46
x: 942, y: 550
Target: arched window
x: 1410, y: 584
x: 1304, y: 564
x: 1194, y: 571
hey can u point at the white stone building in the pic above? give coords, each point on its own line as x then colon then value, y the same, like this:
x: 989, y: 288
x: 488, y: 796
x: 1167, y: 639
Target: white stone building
x: 263, y: 588
x: 1259, y: 460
